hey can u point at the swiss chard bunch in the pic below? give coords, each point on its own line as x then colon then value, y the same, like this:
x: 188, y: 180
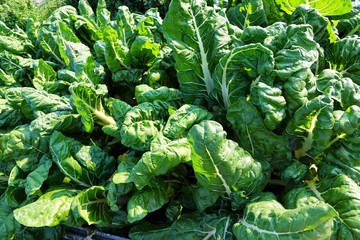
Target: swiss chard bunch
x: 224, y: 120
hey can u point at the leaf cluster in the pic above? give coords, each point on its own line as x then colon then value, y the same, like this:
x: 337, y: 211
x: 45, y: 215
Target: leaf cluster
x: 219, y: 120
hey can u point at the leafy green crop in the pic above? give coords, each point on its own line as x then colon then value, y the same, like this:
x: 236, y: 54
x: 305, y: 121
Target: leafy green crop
x: 219, y: 120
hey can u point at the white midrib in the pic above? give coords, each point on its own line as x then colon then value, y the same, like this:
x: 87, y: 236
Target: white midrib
x: 226, y: 186
x: 209, y: 83
x: 307, y: 145
x: 257, y: 229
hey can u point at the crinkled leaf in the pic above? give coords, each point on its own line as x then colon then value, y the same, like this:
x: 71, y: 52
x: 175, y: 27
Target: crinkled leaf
x: 183, y: 119
x: 325, y: 7
x: 343, y: 57
x: 146, y: 201
x: 88, y: 101
x: 115, y: 51
x: 199, y: 37
x: 220, y: 164
x: 313, y: 123
x: 247, y: 13
x: 323, y: 32
x: 271, y: 102
x: 62, y: 155
x: 268, y: 219
x: 92, y: 206
x: 164, y: 155
x: 142, y: 124
x: 294, y: 49
x: 143, y: 51
x: 55, y: 205
x: 247, y: 122
x: 59, y: 121
x: 25, y: 147
x: 341, y: 89
x: 145, y: 93
x: 237, y: 69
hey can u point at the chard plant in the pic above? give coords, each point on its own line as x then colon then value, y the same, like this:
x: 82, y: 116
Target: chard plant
x: 221, y: 120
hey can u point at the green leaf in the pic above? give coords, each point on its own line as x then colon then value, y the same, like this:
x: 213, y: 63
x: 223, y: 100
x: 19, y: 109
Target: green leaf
x: 248, y: 13
x: 65, y: 122
x: 183, y: 119
x: 343, y: 57
x: 102, y: 14
x: 271, y: 102
x: 236, y: 71
x: 145, y: 93
x: 249, y: 127
x: 61, y: 151
x: 164, y: 155
x: 325, y: 7
x: 36, y: 178
x: 146, y: 201
x: 55, y: 205
x: 268, y: 219
x: 323, y: 31
x: 115, y: 51
x: 294, y: 49
x: 44, y: 76
x: 8, y: 225
x: 313, y: 123
x: 86, y: 10
x: 189, y: 226
x: 125, y: 21
x: 25, y: 147
x: 199, y: 37
x: 342, y: 89
x: 93, y: 207
x: 220, y: 164
x: 142, y: 124
x: 143, y: 51
x: 95, y: 159
x: 88, y: 101
x: 340, y: 192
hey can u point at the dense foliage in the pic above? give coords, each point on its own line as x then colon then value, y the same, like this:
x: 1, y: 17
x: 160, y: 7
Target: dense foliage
x: 222, y: 120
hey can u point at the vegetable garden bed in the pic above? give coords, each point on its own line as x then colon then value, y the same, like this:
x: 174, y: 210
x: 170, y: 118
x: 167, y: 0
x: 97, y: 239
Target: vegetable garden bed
x: 222, y: 120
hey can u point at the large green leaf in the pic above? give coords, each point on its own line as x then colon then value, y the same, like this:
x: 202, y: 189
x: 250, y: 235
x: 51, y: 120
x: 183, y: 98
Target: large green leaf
x: 343, y: 57
x: 146, y: 201
x: 248, y: 13
x: 189, y: 226
x: 220, y: 164
x: 325, y: 7
x: 236, y: 71
x: 199, y: 37
x: 62, y: 155
x: 88, y: 100
x: 36, y: 178
x: 92, y: 206
x: 142, y: 124
x: 338, y: 191
x: 164, y: 155
x: 255, y: 137
x: 25, y: 147
x: 271, y: 103
x: 313, y: 123
x: 8, y: 225
x: 268, y: 219
x: 115, y: 51
x: 183, y: 119
x: 55, y: 205
x: 145, y: 93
